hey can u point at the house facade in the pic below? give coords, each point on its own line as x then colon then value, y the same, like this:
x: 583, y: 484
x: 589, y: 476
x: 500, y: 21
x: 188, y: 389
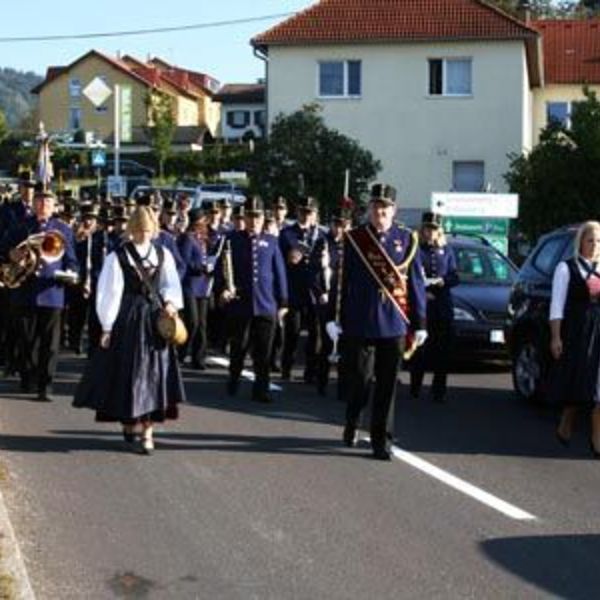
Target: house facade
x: 441, y: 91
x: 571, y: 51
x: 65, y: 108
x: 243, y: 111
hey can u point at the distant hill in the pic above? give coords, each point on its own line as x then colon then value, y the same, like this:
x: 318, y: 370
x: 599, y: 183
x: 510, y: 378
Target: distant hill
x: 15, y: 98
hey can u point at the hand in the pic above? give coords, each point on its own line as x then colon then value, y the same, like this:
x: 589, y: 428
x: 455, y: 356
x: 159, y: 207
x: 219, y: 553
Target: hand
x: 294, y: 257
x: 105, y: 339
x: 420, y: 337
x: 226, y: 296
x: 439, y: 282
x: 170, y: 309
x: 556, y: 348
x: 281, y: 314
x: 209, y: 267
x: 18, y: 254
x: 323, y: 299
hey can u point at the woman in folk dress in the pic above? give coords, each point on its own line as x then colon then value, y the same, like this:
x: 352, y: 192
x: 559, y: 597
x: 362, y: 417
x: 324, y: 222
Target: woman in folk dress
x: 135, y: 377
x: 575, y: 334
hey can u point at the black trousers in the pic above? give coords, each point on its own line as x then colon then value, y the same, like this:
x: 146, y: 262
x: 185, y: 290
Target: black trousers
x: 39, y: 340
x: 94, y: 327
x: 256, y: 335
x: 295, y: 321
x: 324, y: 364
x: 434, y: 355
x: 77, y: 317
x: 195, y: 316
x: 371, y: 369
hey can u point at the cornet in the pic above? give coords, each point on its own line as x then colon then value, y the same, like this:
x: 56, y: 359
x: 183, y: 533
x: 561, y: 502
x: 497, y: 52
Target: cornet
x: 47, y: 247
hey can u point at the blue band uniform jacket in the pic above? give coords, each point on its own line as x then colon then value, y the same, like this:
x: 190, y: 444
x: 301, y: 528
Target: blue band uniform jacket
x: 299, y: 276
x: 198, y: 281
x: 42, y: 290
x: 259, y: 275
x: 367, y: 312
x: 439, y: 262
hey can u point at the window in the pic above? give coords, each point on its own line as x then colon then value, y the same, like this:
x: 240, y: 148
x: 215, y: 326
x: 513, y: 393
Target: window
x: 468, y: 176
x: 259, y: 118
x: 74, y: 118
x: 548, y: 255
x: 450, y: 77
x: 340, y: 78
x: 481, y: 264
x: 560, y: 112
x: 238, y: 119
x: 75, y: 88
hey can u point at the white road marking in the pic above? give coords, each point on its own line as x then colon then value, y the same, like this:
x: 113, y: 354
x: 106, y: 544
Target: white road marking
x: 224, y: 362
x: 510, y: 510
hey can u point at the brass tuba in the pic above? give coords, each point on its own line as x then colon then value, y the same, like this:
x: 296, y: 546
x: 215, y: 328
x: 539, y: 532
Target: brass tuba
x: 47, y: 247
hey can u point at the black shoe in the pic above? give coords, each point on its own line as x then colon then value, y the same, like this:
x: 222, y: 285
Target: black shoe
x: 44, y: 395
x: 286, y: 374
x: 128, y: 436
x: 322, y: 390
x: 262, y: 398
x: 595, y: 453
x: 275, y: 368
x: 232, y: 387
x: 349, y: 436
x: 381, y: 454
x: 199, y: 366
x: 25, y: 385
x: 415, y: 392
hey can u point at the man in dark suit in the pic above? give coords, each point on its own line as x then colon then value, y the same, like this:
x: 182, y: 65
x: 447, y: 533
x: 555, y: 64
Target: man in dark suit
x: 41, y: 298
x: 383, y: 299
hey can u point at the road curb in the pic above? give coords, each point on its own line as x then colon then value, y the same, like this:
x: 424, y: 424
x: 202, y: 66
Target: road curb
x: 11, y: 560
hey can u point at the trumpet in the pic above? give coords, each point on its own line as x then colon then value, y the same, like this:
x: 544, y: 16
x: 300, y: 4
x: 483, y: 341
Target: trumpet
x: 47, y: 247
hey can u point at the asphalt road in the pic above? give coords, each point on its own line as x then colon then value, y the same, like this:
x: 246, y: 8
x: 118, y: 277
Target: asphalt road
x: 249, y: 501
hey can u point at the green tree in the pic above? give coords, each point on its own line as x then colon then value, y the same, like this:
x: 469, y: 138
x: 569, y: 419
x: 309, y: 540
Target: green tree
x: 3, y: 127
x: 161, y: 116
x: 540, y: 8
x: 301, y: 148
x: 558, y: 180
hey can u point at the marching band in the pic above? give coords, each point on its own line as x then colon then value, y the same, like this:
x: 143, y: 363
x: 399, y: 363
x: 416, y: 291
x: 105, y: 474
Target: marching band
x: 243, y: 279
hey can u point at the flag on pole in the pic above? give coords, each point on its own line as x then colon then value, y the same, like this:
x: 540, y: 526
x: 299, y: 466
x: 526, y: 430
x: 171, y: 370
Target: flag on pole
x: 44, y: 170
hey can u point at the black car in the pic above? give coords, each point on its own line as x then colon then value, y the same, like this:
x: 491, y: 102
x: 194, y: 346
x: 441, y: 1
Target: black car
x: 529, y: 331
x: 481, y: 298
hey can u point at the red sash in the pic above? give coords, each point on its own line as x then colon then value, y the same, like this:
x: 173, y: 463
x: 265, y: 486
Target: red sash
x: 391, y: 278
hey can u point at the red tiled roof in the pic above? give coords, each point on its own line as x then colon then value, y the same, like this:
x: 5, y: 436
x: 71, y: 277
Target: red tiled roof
x: 241, y: 93
x: 571, y: 50
x: 338, y: 21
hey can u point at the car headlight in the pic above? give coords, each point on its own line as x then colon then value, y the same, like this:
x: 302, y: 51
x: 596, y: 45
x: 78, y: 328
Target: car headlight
x: 460, y: 314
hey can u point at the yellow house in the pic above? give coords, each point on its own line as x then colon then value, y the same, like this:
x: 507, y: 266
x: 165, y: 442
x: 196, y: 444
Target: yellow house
x: 571, y: 51
x: 65, y: 106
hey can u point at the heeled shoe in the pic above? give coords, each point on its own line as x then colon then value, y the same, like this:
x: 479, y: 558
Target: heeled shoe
x: 565, y: 442
x: 147, y: 445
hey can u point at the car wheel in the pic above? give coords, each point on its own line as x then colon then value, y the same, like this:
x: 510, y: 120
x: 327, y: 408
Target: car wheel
x: 528, y: 370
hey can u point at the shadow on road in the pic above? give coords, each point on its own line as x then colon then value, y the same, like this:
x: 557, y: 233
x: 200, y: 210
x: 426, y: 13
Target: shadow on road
x: 66, y: 441
x: 564, y: 566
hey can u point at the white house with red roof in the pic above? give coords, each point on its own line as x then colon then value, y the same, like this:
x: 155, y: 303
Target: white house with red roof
x: 441, y: 91
x: 571, y: 54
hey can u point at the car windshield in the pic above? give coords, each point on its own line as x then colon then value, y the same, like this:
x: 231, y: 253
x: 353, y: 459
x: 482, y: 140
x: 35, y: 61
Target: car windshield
x: 482, y: 264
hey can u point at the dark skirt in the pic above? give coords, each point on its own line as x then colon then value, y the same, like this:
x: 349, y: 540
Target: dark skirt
x: 137, y: 377
x: 575, y: 375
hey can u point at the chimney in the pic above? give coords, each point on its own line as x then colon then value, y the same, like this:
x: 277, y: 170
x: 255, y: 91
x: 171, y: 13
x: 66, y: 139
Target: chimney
x: 524, y: 11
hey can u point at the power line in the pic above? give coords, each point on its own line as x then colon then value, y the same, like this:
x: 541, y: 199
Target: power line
x: 86, y: 36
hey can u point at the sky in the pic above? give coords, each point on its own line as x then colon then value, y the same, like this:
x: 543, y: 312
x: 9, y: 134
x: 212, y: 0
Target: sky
x: 222, y: 52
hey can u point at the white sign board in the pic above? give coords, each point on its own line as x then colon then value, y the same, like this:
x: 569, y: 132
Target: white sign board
x: 97, y: 91
x: 459, y: 204
x: 233, y: 175
x: 116, y: 185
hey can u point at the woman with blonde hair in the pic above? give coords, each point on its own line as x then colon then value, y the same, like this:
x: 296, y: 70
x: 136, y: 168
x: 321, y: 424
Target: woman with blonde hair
x: 575, y: 334
x: 134, y: 378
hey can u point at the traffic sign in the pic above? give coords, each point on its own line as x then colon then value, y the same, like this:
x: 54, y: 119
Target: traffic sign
x: 98, y: 158
x: 116, y: 185
x: 97, y: 91
x: 466, y: 204
x: 474, y: 226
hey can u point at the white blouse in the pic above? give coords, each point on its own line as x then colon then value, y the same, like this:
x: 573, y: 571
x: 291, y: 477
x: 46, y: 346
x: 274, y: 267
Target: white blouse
x: 560, y: 287
x: 111, y: 283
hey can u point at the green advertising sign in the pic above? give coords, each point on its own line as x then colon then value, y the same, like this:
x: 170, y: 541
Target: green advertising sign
x: 476, y: 226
